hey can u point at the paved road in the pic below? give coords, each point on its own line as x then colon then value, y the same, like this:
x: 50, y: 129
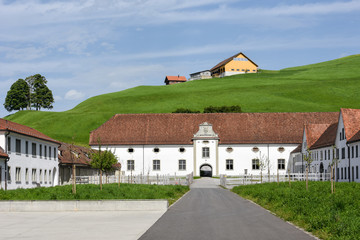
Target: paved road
x: 209, y: 212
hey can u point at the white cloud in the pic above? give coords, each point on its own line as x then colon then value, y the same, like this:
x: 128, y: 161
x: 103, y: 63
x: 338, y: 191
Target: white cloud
x: 74, y: 95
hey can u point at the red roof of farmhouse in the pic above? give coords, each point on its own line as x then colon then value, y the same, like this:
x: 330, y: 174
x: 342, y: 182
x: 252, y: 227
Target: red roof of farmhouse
x: 176, y: 78
x: 179, y: 128
x: 3, y: 154
x: 6, y: 125
x: 351, y: 119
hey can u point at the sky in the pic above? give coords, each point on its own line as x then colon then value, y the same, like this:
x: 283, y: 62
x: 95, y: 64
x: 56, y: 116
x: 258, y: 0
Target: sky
x: 89, y: 47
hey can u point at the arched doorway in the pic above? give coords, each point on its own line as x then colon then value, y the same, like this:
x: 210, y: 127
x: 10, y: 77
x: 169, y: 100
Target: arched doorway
x: 321, y: 171
x: 205, y: 170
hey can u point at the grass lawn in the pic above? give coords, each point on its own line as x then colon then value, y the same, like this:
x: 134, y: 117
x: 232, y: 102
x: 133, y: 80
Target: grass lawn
x: 328, y: 216
x: 321, y: 87
x: 92, y: 192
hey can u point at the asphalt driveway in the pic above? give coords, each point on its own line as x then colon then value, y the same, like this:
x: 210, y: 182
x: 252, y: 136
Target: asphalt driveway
x: 210, y: 212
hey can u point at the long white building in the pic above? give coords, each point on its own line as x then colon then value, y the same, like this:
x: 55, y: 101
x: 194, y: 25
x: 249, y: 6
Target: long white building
x: 205, y: 144
x: 28, y: 158
x: 336, y: 144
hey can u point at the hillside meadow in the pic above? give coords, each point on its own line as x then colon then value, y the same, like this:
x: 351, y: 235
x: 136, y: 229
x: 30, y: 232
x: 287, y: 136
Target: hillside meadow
x: 326, y: 86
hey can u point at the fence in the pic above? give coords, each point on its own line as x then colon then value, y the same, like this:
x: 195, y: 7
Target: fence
x: 165, y: 179
x: 236, y: 180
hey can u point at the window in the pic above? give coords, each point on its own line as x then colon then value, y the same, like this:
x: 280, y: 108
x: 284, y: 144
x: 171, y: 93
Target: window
x: 40, y: 176
x: 321, y: 155
x: 357, y: 172
x: 181, y: 149
x: 45, y: 176
x: 329, y: 157
x: 45, y: 151
x: 156, y: 165
x: 9, y: 144
x: 9, y: 174
x: 27, y: 148
x: 357, y: 150
x: 26, y: 175
x: 343, y: 134
x: 352, y: 151
x: 229, y: 149
x: 342, y: 174
x: 205, y: 152
x: 343, y: 153
x: 229, y: 164
x: 255, y: 164
x: 18, y: 146
x: 156, y: 150
x: 49, y: 152
x: 50, y: 176
x: 182, y: 164
x: 34, y: 149
x: 130, y: 150
x: 18, y: 175
x: 337, y: 153
x: 33, y: 175
x: 54, y: 153
x: 238, y: 70
x: 40, y: 150
x: 232, y: 69
x: 130, y: 165
x: 281, y: 164
x: 325, y: 155
x: 345, y: 173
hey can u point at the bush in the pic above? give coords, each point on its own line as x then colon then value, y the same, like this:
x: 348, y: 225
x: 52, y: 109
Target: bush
x: 223, y: 109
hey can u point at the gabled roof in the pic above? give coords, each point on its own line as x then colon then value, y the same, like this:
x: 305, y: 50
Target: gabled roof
x: 313, y: 132
x: 327, y: 138
x: 232, y: 128
x: 175, y: 78
x: 3, y: 154
x: 351, y: 119
x: 297, y: 149
x: 229, y: 59
x: 6, y: 125
x: 80, y: 155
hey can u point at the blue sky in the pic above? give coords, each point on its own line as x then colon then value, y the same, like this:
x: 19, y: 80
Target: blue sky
x: 89, y: 47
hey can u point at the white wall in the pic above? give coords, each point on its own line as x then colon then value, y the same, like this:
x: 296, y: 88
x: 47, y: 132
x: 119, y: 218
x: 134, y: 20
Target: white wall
x: 169, y: 155
x: 28, y: 161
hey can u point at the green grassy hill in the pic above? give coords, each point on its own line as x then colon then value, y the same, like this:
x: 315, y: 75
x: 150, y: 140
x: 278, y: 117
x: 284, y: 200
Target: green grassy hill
x: 325, y: 86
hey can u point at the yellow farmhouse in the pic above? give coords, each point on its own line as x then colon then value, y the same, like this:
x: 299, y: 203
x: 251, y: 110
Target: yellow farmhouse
x: 237, y: 64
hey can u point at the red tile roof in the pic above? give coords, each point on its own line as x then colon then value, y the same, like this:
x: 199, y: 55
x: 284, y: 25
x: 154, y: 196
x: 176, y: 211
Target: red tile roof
x: 297, y: 149
x: 81, y: 155
x: 313, y: 132
x: 175, y: 78
x: 229, y: 59
x: 6, y: 125
x: 351, y: 119
x: 179, y: 128
x: 327, y: 138
x: 3, y: 154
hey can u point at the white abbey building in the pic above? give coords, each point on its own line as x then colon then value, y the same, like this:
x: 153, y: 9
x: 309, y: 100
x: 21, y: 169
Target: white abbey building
x: 337, y: 143
x: 28, y: 158
x: 205, y: 144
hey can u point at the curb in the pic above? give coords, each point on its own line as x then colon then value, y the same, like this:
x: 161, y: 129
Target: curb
x: 96, y: 205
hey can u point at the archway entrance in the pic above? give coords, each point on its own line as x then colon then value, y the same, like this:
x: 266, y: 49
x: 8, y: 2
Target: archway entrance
x: 205, y: 170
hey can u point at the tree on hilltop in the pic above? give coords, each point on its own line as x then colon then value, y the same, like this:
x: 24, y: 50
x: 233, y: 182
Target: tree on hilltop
x: 17, y: 97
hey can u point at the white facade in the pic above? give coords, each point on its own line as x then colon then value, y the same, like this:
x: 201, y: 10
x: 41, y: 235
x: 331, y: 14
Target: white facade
x: 229, y: 159
x: 200, y: 75
x: 32, y: 161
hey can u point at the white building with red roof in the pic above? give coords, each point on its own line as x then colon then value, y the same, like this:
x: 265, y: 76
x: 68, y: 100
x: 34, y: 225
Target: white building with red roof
x: 212, y: 144
x: 170, y: 80
x: 28, y: 158
x: 334, y: 144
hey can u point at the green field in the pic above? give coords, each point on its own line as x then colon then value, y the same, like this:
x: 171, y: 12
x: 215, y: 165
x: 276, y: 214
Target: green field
x: 326, y: 86
x: 328, y: 216
x: 92, y: 192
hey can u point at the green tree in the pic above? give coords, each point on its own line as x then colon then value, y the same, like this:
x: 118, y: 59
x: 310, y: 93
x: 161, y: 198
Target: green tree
x: 104, y: 161
x: 17, y: 97
x: 308, y: 159
x: 40, y: 95
x: 185, y: 110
